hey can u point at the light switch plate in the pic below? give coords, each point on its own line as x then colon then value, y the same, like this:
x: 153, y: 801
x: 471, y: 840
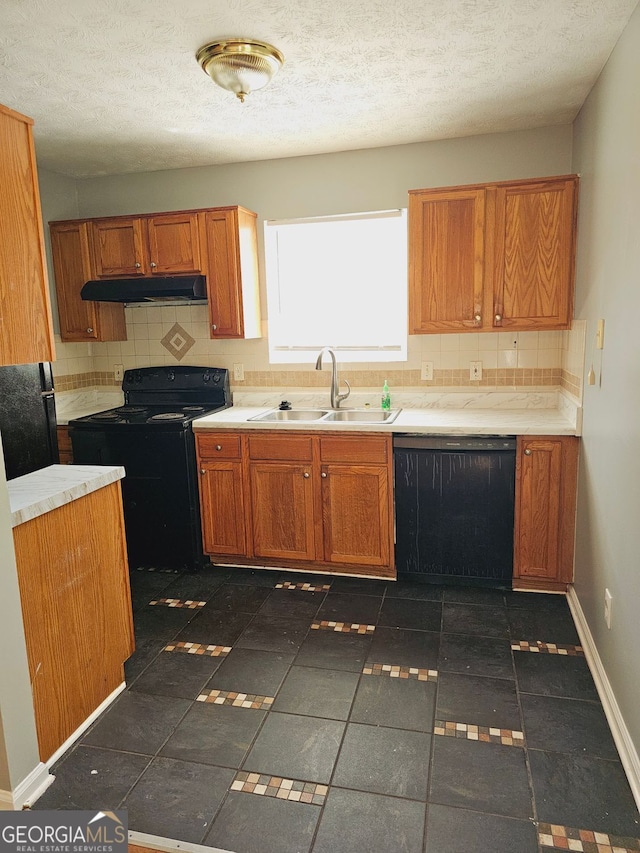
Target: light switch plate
x: 475, y: 370
x: 118, y: 372
x: 600, y: 335
x: 238, y: 372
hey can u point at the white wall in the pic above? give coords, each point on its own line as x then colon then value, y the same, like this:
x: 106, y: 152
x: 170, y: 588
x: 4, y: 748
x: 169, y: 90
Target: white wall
x: 607, y: 155
x: 18, y: 744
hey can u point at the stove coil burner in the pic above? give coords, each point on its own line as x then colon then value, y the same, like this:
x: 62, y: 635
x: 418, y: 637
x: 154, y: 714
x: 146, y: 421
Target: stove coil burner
x: 106, y: 416
x: 167, y: 416
x: 193, y: 408
x: 131, y: 410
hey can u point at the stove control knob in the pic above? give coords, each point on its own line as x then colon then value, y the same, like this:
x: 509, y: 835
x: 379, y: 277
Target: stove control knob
x: 171, y: 375
x: 206, y: 377
x: 216, y: 377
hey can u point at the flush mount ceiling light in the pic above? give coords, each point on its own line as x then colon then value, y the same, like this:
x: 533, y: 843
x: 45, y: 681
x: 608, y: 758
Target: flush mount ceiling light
x: 240, y: 65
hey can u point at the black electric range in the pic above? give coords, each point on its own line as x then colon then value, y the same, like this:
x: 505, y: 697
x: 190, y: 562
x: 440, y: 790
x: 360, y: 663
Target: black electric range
x: 152, y: 437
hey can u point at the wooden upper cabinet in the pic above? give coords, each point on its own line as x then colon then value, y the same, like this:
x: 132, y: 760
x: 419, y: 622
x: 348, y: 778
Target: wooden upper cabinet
x: 26, y: 331
x: 79, y: 320
x: 546, y: 476
x: 492, y: 256
x: 174, y: 244
x: 230, y: 236
x: 164, y: 244
x: 119, y: 247
x: 533, y: 241
x: 446, y: 260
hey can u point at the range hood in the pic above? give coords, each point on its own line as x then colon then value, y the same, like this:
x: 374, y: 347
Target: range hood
x: 161, y: 290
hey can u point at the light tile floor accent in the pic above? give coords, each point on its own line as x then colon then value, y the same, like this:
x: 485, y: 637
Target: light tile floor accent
x: 307, y: 587
x: 282, y: 789
x: 547, y: 648
x: 176, y: 602
x: 238, y: 700
x: 198, y: 649
x: 487, y: 734
x: 343, y: 627
x: 394, y: 671
x: 568, y: 838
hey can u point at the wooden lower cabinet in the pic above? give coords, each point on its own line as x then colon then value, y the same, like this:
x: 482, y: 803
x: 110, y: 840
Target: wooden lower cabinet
x: 76, y: 608
x: 316, y: 501
x: 65, y: 451
x: 546, y: 476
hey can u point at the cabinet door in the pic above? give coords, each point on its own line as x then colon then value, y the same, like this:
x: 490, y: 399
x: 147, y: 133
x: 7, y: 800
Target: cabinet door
x: 26, y: 332
x: 119, y: 247
x: 223, y: 508
x: 355, y: 514
x: 533, y: 254
x: 282, y: 509
x: 71, y: 269
x: 225, y: 287
x: 546, y: 472
x: 174, y: 244
x: 446, y: 259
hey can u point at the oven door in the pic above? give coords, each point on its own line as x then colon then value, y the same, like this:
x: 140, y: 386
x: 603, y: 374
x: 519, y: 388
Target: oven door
x: 160, y: 491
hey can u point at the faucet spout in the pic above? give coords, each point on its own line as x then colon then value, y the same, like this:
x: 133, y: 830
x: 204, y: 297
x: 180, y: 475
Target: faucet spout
x: 336, y: 397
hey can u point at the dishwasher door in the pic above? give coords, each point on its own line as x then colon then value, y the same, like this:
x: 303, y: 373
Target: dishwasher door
x: 454, y: 501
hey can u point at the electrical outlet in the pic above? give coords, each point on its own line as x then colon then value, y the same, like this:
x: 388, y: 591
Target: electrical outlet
x: 427, y: 370
x: 118, y: 372
x: 608, y: 602
x: 475, y: 370
x: 238, y: 372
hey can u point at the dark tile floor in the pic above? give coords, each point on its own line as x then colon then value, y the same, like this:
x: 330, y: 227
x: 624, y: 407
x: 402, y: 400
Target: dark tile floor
x: 438, y: 720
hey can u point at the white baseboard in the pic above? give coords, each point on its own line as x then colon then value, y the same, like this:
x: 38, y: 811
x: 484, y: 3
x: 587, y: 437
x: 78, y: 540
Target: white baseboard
x: 167, y: 845
x: 31, y: 787
x: 628, y: 753
x: 82, y: 728
x: 37, y: 782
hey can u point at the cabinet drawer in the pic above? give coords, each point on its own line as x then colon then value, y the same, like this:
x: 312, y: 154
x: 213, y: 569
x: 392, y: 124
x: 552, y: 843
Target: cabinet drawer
x: 355, y: 449
x: 218, y: 445
x: 287, y: 447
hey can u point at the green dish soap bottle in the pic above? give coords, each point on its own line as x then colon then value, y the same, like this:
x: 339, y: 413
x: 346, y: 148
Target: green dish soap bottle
x: 386, y: 397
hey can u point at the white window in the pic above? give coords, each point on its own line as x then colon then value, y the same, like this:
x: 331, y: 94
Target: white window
x: 338, y: 281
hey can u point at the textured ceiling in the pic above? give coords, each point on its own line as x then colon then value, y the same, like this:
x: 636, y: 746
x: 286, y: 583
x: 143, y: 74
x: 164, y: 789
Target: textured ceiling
x: 114, y: 87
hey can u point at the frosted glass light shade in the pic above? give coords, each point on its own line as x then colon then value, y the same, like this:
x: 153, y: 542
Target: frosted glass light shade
x: 240, y: 66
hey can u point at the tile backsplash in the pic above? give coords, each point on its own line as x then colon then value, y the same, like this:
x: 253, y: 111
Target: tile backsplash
x: 168, y: 335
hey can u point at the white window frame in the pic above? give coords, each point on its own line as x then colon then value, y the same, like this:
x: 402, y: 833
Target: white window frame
x: 395, y: 295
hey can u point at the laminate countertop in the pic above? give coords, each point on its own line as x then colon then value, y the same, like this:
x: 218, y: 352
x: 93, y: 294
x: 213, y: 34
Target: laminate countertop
x: 426, y: 421
x: 41, y: 491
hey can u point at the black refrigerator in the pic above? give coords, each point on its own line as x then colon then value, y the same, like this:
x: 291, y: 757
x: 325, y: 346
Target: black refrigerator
x: 27, y: 418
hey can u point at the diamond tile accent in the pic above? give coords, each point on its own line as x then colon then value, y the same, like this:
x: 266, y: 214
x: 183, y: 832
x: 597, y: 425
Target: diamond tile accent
x: 238, y: 700
x: 177, y: 341
x: 198, y: 649
x: 343, y: 627
x: 569, y: 838
x: 282, y: 789
x: 394, y: 671
x: 308, y: 587
x: 547, y: 648
x: 486, y: 734
x: 177, y: 602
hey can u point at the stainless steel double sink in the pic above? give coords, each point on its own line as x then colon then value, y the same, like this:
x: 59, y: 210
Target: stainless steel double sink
x: 355, y: 416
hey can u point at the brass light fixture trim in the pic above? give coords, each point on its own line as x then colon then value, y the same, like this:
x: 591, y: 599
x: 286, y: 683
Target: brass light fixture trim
x: 240, y: 65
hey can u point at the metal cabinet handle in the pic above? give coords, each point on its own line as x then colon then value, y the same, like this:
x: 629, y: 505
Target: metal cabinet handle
x: 218, y: 447
x: 202, y: 471
x: 527, y: 452
x: 324, y: 475
x: 498, y: 318
x: 89, y: 330
x: 306, y: 475
x: 153, y: 265
x: 478, y: 318
x: 137, y: 266
x: 213, y: 326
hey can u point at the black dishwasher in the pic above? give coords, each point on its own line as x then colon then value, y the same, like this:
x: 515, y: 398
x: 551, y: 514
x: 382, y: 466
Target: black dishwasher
x: 454, y: 501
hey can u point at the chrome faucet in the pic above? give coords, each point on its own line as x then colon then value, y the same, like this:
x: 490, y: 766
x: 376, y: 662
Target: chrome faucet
x: 336, y: 397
